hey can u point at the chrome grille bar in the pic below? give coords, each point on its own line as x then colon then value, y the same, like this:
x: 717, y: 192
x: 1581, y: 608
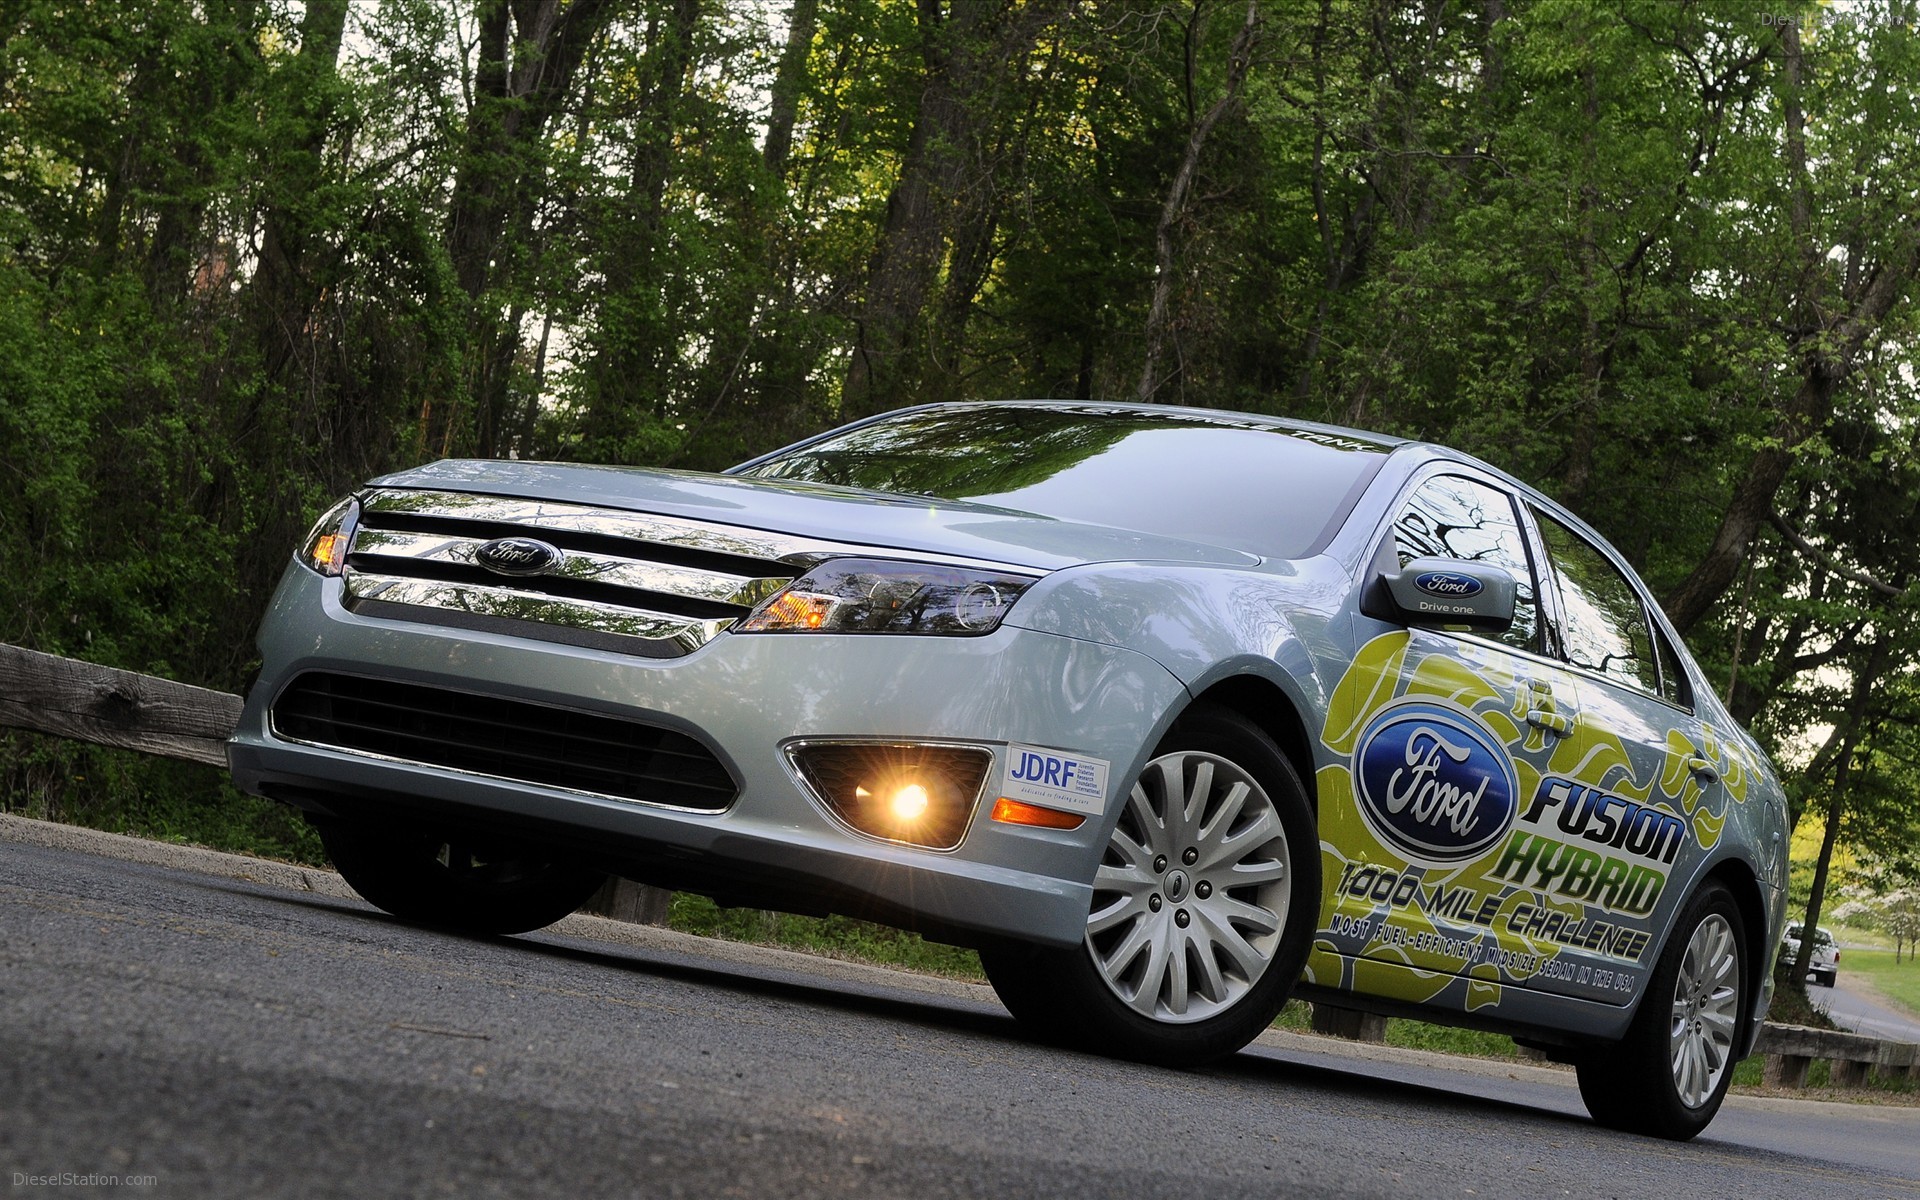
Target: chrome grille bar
x: 653, y: 585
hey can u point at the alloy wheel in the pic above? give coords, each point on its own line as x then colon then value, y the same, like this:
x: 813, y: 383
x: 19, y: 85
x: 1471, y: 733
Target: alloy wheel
x: 1191, y: 896
x: 1706, y: 998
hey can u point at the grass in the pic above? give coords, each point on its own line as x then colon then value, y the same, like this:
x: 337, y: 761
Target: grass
x: 1297, y: 1017
x: 1446, y: 1039
x: 1898, y: 982
x: 122, y: 791
x: 833, y: 937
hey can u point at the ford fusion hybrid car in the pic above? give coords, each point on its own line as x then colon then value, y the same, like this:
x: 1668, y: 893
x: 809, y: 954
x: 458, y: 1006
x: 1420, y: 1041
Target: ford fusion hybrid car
x: 1170, y: 713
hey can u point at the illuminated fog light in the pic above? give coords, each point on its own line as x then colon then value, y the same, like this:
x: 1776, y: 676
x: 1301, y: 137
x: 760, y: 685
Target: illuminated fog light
x: 917, y: 793
x: 910, y: 803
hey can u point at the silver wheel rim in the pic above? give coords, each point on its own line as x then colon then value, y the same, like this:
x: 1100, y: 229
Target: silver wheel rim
x: 1192, y: 893
x: 1706, y: 1002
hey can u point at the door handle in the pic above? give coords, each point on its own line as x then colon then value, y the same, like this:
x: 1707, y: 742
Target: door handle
x: 1552, y: 722
x: 1703, y: 770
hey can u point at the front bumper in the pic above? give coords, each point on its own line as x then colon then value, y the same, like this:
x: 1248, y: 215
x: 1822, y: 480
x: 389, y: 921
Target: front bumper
x: 745, y: 696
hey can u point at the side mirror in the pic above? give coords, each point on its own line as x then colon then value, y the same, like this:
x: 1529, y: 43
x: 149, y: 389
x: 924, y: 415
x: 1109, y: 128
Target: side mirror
x: 1448, y: 591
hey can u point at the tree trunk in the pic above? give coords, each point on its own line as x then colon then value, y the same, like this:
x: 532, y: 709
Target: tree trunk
x: 1835, y: 810
x: 529, y: 53
x: 803, y: 19
x: 1830, y: 328
x: 1850, y: 733
x: 284, y: 291
x: 1173, y: 209
x: 907, y: 255
x: 973, y: 52
x: 630, y: 368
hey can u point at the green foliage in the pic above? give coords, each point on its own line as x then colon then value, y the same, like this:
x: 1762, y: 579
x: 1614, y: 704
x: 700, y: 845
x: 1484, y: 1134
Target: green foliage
x: 252, y: 253
x: 1297, y: 1017
x: 1447, y: 1039
x: 1793, y: 1005
x: 120, y: 791
x: 835, y: 937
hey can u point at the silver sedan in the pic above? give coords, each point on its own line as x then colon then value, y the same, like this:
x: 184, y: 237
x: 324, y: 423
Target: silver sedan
x: 1170, y: 713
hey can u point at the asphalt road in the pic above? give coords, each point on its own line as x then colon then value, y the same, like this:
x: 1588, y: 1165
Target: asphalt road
x: 171, y: 1031
x: 1854, y: 1009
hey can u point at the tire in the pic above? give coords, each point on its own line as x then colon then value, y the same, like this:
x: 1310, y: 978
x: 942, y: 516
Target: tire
x: 1667, y: 1077
x: 1826, y: 978
x: 1202, y: 912
x: 462, y: 884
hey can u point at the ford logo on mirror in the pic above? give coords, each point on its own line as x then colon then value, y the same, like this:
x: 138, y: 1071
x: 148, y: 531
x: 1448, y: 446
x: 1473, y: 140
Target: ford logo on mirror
x: 1433, y: 783
x: 1446, y: 583
x: 518, y: 556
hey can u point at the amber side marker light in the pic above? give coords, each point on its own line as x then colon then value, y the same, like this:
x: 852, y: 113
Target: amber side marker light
x: 330, y: 553
x: 1013, y: 812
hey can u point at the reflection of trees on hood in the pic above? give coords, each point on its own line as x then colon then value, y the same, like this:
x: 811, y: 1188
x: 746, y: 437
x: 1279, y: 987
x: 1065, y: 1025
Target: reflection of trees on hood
x: 957, y: 455
x: 995, y: 452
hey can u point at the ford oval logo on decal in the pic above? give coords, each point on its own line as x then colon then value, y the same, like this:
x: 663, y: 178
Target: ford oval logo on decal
x: 1432, y: 783
x: 518, y: 556
x: 1445, y: 583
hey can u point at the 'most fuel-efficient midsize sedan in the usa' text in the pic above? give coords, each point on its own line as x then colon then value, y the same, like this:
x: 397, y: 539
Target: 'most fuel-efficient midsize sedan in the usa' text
x: 1170, y: 713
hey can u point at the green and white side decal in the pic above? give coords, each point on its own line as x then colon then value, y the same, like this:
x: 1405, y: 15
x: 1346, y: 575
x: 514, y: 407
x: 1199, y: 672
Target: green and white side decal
x: 1491, y: 842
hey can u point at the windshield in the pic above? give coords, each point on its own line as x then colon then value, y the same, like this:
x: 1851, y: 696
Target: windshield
x: 1228, y: 480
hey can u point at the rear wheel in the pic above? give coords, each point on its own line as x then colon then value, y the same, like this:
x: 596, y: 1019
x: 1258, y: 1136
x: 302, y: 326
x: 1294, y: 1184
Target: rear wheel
x: 1668, y: 1076
x: 1203, y: 907
x: 459, y: 883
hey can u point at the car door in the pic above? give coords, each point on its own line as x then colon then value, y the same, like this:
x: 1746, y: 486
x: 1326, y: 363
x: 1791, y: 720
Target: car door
x: 1619, y: 824
x: 1442, y: 736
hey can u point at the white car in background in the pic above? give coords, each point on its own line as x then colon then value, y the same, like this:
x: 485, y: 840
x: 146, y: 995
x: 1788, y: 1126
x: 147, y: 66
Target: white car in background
x: 1825, y: 963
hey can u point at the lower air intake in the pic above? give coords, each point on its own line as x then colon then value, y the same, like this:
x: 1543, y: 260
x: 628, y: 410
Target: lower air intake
x: 505, y: 739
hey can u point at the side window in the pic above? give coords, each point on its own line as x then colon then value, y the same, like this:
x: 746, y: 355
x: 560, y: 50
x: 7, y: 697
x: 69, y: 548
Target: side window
x: 1673, y: 680
x: 1605, y: 625
x: 1454, y: 517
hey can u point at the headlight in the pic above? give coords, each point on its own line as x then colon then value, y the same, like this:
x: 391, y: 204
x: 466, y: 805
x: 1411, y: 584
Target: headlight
x: 867, y: 595
x: 325, y: 549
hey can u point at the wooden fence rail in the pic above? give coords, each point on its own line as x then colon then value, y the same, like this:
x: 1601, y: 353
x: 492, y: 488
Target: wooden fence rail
x: 115, y: 708
x: 1852, y: 1057
x: 110, y: 707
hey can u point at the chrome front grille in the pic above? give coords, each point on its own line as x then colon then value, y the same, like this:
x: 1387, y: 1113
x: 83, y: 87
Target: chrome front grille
x: 637, y: 583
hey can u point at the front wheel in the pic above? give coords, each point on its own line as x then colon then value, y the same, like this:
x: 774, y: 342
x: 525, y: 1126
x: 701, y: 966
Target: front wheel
x: 458, y: 883
x: 1668, y: 1076
x: 1203, y: 907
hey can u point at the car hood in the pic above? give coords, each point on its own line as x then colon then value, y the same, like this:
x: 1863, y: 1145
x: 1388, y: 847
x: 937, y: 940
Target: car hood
x: 880, y: 520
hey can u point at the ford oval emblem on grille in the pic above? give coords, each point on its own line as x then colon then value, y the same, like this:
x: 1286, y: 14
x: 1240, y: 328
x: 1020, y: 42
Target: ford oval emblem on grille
x: 1433, y: 783
x: 518, y: 556
x: 1445, y: 583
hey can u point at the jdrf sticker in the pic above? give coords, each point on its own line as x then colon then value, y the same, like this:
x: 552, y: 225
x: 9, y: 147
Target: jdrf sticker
x: 1053, y: 779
